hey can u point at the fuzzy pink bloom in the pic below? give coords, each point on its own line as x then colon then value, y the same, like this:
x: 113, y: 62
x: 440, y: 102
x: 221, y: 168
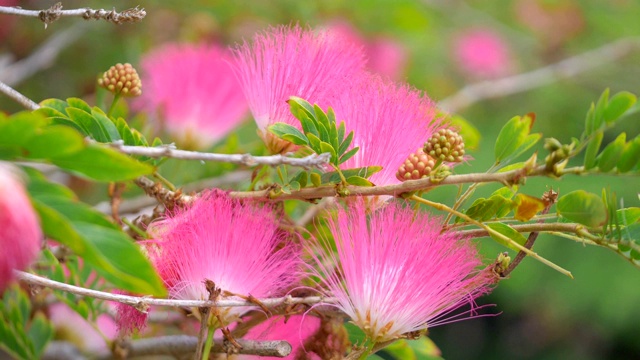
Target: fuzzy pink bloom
x: 295, y: 331
x: 481, y: 53
x: 390, y: 121
x: 237, y: 246
x: 194, y: 90
x: 291, y: 61
x: 129, y: 320
x: 72, y: 327
x: 384, y: 55
x: 20, y: 234
x: 398, y: 274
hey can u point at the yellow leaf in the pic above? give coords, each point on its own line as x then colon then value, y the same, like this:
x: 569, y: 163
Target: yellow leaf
x: 528, y: 207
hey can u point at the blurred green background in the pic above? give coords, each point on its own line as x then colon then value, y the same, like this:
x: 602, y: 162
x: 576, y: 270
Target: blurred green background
x: 544, y: 315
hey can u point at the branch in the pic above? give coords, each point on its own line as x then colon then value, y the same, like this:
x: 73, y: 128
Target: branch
x: 567, y: 68
x: 137, y: 300
x: 179, y: 345
x: 18, y: 97
x: 507, y: 177
x: 311, y: 161
x: 55, y: 12
x: 42, y: 57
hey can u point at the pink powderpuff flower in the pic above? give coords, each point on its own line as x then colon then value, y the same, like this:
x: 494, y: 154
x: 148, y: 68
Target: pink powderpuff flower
x: 237, y: 246
x: 295, y: 331
x: 291, y: 61
x: 72, y: 327
x: 385, y: 56
x: 482, y: 53
x: 194, y: 91
x: 390, y: 121
x: 398, y: 273
x: 20, y: 233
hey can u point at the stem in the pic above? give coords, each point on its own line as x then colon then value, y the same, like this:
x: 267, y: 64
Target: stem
x: 494, y: 233
x: 116, y: 97
x: 208, y: 343
x: 135, y: 229
x: 18, y: 97
x: 163, y: 180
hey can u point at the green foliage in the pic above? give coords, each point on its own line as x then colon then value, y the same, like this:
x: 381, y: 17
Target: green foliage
x: 30, y: 136
x: 469, y: 133
x: 363, y: 172
x: 515, y: 138
x: 91, y: 236
x: 607, y: 111
x: 509, y: 232
x: 583, y: 207
x: 609, y: 157
x: 420, y: 349
x: 498, y: 205
x: 320, y: 132
x: 22, y: 335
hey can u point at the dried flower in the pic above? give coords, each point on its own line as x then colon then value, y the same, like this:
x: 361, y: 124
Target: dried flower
x: 291, y: 61
x: 20, y: 234
x: 481, y: 53
x: 236, y: 246
x: 122, y: 80
x: 194, y: 91
x: 389, y: 121
x: 445, y: 145
x: 398, y: 273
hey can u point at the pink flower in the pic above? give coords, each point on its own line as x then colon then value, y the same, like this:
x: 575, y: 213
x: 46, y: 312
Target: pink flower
x: 398, y: 272
x: 20, y: 234
x: 385, y: 56
x: 390, y: 121
x: 72, y: 327
x: 481, y: 53
x: 291, y: 61
x: 295, y: 331
x: 237, y: 246
x: 194, y: 90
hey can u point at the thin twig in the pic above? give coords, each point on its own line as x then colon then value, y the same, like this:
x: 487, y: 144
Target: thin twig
x: 42, y: 57
x: 18, y: 97
x: 136, y: 300
x: 567, y: 68
x: 169, y: 151
x: 55, y: 12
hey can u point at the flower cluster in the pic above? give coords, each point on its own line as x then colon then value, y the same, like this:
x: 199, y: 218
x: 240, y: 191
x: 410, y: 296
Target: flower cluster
x: 122, y: 80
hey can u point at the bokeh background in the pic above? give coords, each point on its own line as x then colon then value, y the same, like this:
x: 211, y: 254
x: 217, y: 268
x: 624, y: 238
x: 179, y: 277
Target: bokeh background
x: 544, y: 315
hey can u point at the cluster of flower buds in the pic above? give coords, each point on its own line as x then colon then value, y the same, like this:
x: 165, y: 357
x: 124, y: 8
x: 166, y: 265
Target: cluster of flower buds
x: 417, y: 166
x: 122, y: 79
x: 445, y: 145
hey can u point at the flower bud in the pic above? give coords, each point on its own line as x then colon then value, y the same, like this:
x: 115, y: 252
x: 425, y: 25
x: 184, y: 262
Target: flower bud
x: 445, y: 145
x: 417, y: 166
x: 122, y: 79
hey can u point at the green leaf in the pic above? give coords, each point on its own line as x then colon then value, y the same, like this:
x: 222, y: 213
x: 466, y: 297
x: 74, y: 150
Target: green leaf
x: 327, y: 148
x: 301, y: 178
x: 618, y: 105
x: 469, y: 133
x: 359, y: 181
x: 365, y: 172
x: 608, y: 159
x: 512, y: 136
x: 583, y: 207
x: 289, y: 133
x: 601, y: 106
x: 345, y: 143
x: 103, y: 164
x: 79, y: 104
x: 316, y: 179
x: 630, y: 155
x: 303, y: 104
x: 629, y: 216
x: 314, y: 143
x: 348, y: 155
x: 90, y: 125
x: 106, y: 124
x: 40, y: 333
x: 486, y: 209
x: 509, y: 232
x: 592, y: 150
x: 341, y: 131
x: 56, y: 104
x: 53, y: 141
x: 589, y: 126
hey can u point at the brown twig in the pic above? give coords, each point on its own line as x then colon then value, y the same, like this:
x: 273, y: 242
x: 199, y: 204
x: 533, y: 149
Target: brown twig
x: 55, y: 12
